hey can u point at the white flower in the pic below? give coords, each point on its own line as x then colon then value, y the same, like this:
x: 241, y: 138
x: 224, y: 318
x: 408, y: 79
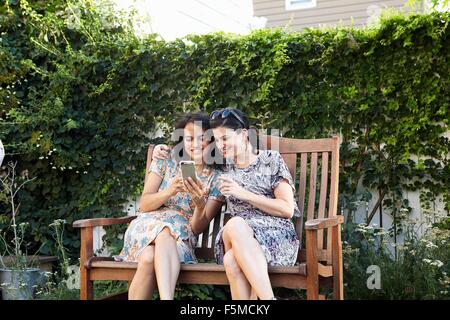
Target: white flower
x: 379, y: 232
x: 431, y: 245
x: 438, y: 263
x: 70, y: 168
x: 85, y: 172
x: 54, y: 168
x: 40, y: 158
x: 57, y: 222
x: 38, y: 145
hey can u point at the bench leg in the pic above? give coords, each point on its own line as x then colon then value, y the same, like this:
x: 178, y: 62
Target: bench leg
x: 86, y: 252
x: 338, y: 279
x: 312, y: 266
x: 86, y: 286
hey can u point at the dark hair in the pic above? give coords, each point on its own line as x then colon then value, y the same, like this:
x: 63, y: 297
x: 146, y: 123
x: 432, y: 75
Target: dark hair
x: 231, y: 121
x: 193, y: 117
x: 182, y: 121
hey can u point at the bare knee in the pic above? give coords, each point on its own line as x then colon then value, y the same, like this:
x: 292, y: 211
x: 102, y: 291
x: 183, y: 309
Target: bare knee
x: 164, y: 235
x: 147, y: 256
x: 236, y: 228
x: 231, y: 266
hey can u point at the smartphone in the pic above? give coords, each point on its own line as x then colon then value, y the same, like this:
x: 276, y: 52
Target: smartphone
x: 188, y: 169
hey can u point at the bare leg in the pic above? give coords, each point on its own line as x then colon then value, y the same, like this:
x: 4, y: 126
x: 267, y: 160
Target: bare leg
x: 238, y: 282
x: 143, y: 283
x: 248, y: 254
x: 167, y: 264
x: 240, y: 287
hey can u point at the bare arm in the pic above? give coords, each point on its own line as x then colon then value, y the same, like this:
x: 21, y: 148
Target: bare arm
x: 203, y: 216
x: 205, y: 209
x: 282, y: 206
x: 151, y: 199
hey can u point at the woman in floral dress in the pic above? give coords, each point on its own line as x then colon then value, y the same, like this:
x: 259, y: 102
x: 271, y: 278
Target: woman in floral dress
x: 260, y: 198
x: 172, y: 213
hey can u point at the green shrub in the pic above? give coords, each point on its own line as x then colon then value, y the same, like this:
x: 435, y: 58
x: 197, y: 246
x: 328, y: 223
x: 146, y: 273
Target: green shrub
x: 419, y: 268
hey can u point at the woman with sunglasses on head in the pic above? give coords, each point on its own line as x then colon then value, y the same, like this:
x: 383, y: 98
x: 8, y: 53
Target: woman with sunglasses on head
x: 260, y: 199
x: 172, y: 213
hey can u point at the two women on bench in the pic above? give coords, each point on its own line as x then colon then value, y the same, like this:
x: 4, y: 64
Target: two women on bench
x: 259, y: 193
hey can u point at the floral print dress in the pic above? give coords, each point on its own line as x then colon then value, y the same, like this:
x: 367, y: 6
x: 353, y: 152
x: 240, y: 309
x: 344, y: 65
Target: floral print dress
x: 276, y: 235
x: 175, y: 214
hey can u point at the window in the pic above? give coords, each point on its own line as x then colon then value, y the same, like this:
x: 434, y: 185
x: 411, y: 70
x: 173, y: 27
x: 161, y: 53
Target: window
x: 300, y: 4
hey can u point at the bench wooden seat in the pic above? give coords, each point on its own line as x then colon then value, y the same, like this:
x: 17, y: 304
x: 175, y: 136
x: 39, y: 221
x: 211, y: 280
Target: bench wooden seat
x: 319, y: 262
x: 202, y: 266
x: 200, y: 273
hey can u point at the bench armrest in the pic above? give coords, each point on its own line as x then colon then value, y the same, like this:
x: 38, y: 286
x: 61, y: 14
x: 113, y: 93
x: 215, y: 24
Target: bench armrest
x: 97, y: 222
x: 323, y: 223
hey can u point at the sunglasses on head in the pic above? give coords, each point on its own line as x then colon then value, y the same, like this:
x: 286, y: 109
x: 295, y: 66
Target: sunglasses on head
x: 225, y: 113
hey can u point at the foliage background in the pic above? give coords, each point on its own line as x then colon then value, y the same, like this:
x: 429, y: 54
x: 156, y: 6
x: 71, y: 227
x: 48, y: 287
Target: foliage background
x: 80, y: 97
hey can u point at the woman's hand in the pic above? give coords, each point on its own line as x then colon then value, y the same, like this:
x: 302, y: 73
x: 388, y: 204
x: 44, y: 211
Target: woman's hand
x: 229, y: 187
x: 197, y: 191
x: 161, y: 151
x: 176, y: 186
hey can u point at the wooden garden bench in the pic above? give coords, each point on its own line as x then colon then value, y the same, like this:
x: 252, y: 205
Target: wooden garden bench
x: 319, y: 262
